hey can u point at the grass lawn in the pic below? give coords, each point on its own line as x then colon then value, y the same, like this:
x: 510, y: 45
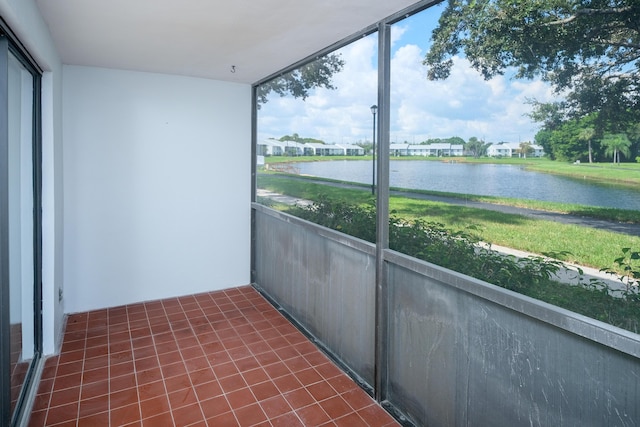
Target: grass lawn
x: 588, y: 246
x: 621, y: 174
x: 620, y: 215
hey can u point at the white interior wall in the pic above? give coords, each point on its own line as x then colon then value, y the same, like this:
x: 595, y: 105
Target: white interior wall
x: 52, y: 212
x: 156, y: 186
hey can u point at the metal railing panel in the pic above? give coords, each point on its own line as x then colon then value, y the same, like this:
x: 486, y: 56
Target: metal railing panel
x: 462, y: 352
x: 324, y: 280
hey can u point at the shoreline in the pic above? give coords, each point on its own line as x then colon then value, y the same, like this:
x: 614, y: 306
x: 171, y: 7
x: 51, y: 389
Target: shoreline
x: 591, y: 171
x: 613, y: 215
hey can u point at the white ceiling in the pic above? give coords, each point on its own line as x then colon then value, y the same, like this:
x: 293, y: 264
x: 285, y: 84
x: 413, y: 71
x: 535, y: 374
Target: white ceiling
x: 205, y: 38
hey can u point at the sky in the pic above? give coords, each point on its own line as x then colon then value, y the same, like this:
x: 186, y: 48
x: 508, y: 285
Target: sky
x: 463, y: 105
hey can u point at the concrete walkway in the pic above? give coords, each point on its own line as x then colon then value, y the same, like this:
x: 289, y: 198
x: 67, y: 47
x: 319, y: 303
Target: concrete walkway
x: 282, y: 198
x: 570, y: 273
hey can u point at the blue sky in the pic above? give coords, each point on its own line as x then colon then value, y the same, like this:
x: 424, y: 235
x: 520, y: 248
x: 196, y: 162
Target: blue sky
x: 464, y: 105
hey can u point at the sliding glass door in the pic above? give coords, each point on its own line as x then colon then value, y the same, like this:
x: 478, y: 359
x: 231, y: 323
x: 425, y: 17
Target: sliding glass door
x: 19, y: 226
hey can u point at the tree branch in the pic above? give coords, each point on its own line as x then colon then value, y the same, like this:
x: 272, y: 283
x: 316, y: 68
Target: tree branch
x: 586, y: 11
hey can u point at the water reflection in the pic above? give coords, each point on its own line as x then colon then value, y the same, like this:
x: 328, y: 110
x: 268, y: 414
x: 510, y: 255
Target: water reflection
x: 21, y: 225
x: 482, y: 179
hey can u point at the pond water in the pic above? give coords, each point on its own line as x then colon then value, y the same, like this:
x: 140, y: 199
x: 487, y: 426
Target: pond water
x: 481, y: 179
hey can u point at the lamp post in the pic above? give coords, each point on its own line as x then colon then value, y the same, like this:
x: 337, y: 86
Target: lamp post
x: 374, y: 110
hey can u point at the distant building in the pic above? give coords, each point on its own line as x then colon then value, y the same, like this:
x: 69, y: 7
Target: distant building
x: 334, y: 149
x: 270, y: 147
x: 512, y: 149
x: 292, y: 148
x: 316, y: 149
x: 426, y: 150
x: 273, y: 147
x: 352, y: 150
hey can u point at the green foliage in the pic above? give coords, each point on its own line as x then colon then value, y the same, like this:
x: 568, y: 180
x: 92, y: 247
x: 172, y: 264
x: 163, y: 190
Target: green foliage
x: 571, y: 140
x: 550, y: 114
x: 564, y: 143
x: 588, y: 50
x: 297, y: 138
x: 629, y: 294
x: 629, y: 264
x: 586, y: 137
x: 587, y: 134
x: 459, y: 251
x: 543, y: 138
x: 476, y: 147
x: 525, y: 149
x: 451, y: 140
x: 616, y: 144
x: 300, y: 81
x: 354, y: 220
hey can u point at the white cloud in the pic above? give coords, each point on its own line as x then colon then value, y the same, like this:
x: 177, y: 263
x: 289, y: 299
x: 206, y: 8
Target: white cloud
x: 335, y: 116
x: 397, y: 31
x: 463, y: 105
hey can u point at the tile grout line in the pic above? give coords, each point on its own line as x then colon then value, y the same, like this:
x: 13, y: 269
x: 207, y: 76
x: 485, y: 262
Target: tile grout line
x: 246, y: 318
x: 226, y: 350
x: 271, y: 380
x: 239, y: 309
x: 193, y: 387
x: 135, y: 371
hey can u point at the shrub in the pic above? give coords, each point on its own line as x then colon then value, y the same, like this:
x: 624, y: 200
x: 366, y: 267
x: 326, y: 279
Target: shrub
x: 460, y: 251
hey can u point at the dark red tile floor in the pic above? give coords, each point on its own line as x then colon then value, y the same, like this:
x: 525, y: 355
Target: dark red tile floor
x: 224, y: 358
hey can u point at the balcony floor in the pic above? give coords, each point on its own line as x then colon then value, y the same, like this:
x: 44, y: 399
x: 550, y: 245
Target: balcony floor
x: 224, y: 358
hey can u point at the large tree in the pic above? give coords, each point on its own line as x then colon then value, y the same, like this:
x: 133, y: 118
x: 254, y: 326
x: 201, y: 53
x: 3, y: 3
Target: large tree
x: 588, y: 50
x: 566, y: 141
x: 476, y: 147
x: 299, y: 82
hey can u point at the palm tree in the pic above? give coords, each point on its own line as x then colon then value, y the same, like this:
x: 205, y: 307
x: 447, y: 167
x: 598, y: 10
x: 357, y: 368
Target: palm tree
x: 616, y: 143
x: 587, y: 134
